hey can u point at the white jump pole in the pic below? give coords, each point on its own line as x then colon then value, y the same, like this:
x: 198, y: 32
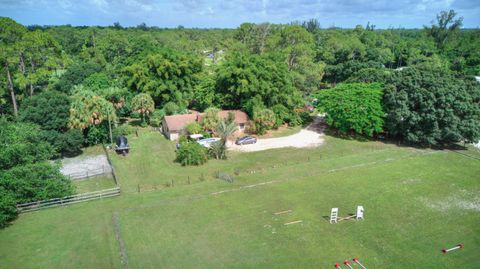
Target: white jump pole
x: 337, y: 265
x: 459, y: 246
x: 347, y: 263
x: 359, y: 263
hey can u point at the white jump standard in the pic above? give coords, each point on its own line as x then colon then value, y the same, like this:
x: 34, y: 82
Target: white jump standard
x: 335, y: 219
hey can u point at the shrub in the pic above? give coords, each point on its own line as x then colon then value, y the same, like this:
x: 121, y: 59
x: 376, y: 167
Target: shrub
x: 191, y: 153
x: 135, y: 115
x: 218, y: 150
x: 124, y: 129
x: 8, y: 209
x: 97, y: 134
x: 193, y: 128
x: 68, y: 143
x: 224, y: 176
x: 35, y: 182
x: 157, y: 117
x: 170, y: 108
x: 264, y: 120
x: 211, y: 119
x: 282, y: 115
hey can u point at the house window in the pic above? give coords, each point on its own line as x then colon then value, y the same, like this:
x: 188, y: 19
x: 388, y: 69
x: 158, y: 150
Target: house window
x: 242, y: 126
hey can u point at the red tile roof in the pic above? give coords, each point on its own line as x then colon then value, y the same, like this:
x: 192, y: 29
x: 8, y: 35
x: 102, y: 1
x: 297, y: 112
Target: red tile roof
x: 176, y: 123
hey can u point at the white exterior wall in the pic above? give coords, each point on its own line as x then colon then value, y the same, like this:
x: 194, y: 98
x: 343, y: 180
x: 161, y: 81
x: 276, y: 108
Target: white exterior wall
x: 173, y: 136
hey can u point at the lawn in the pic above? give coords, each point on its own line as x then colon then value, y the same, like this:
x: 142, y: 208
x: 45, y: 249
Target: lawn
x: 94, y: 183
x: 416, y: 202
x: 282, y: 131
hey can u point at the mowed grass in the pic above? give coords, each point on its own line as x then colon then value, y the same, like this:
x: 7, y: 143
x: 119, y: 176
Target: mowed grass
x: 416, y: 202
x: 94, y: 183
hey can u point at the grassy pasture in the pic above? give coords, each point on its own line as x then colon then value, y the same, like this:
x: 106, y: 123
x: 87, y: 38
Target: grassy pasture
x: 416, y: 201
x: 97, y: 183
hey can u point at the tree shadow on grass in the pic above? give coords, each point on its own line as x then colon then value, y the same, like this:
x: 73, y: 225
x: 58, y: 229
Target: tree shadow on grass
x: 383, y: 138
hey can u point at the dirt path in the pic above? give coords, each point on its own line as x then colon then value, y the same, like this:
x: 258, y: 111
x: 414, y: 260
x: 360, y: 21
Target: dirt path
x: 311, y: 136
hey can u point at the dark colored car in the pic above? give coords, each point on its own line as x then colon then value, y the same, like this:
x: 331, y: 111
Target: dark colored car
x: 122, y: 145
x: 246, y: 140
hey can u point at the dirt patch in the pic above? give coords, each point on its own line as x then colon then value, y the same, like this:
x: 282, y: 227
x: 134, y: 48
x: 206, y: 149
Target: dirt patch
x: 463, y: 200
x: 309, y: 137
x: 82, y: 165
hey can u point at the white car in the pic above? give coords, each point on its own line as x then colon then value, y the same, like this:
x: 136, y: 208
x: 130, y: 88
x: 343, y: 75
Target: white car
x: 208, y: 141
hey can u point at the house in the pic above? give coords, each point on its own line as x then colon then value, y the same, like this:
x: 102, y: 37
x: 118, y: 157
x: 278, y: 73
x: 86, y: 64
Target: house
x: 173, y: 126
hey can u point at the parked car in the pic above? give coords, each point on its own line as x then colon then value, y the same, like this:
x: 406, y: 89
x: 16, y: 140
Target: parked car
x: 246, y: 140
x: 208, y: 141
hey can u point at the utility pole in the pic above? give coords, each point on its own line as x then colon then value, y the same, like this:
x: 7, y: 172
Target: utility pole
x: 110, y: 127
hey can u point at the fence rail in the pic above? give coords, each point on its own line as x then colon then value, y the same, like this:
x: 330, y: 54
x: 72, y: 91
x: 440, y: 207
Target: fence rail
x: 90, y: 173
x: 83, y: 197
x: 112, y: 169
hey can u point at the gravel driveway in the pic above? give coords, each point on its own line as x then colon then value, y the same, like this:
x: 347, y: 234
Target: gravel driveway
x: 311, y: 136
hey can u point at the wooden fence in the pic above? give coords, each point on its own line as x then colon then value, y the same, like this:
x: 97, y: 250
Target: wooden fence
x: 73, y: 199
x: 112, y: 169
x: 90, y: 173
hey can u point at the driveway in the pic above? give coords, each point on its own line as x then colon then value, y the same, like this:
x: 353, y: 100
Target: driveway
x: 309, y: 137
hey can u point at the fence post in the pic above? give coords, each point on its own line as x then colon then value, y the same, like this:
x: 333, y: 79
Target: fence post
x: 172, y: 183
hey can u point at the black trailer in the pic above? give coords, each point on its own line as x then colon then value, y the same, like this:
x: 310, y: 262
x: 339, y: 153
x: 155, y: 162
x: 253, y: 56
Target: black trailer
x: 122, y: 146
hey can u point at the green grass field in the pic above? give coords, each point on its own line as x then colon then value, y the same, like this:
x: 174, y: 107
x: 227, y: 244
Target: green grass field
x: 416, y: 202
x: 94, y: 183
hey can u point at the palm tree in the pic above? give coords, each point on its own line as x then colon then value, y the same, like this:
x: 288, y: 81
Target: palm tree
x: 224, y: 130
x: 143, y: 104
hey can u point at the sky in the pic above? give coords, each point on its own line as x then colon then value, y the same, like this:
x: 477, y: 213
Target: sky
x: 230, y: 14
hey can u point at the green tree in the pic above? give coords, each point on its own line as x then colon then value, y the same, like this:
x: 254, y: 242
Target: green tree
x: 11, y: 34
x: 166, y: 76
x: 264, y: 119
x: 224, y: 130
x: 431, y: 106
x: 39, y: 56
x: 143, y: 104
x: 445, y: 27
x: 37, y: 181
x: 22, y: 144
x: 244, y: 78
x: 89, y: 109
x: 25, y: 173
x: 369, y: 75
x: 211, y: 119
x: 193, y: 128
x: 50, y: 110
x: 8, y: 207
x: 353, y: 107
x: 171, y: 108
x: 75, y: 75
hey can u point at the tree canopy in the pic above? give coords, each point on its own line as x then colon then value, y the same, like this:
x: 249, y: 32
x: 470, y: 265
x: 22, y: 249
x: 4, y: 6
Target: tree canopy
x: 353, y: 107
x: 431, y: 107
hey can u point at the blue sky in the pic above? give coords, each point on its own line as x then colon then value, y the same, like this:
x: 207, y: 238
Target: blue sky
x: 229, y: 14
